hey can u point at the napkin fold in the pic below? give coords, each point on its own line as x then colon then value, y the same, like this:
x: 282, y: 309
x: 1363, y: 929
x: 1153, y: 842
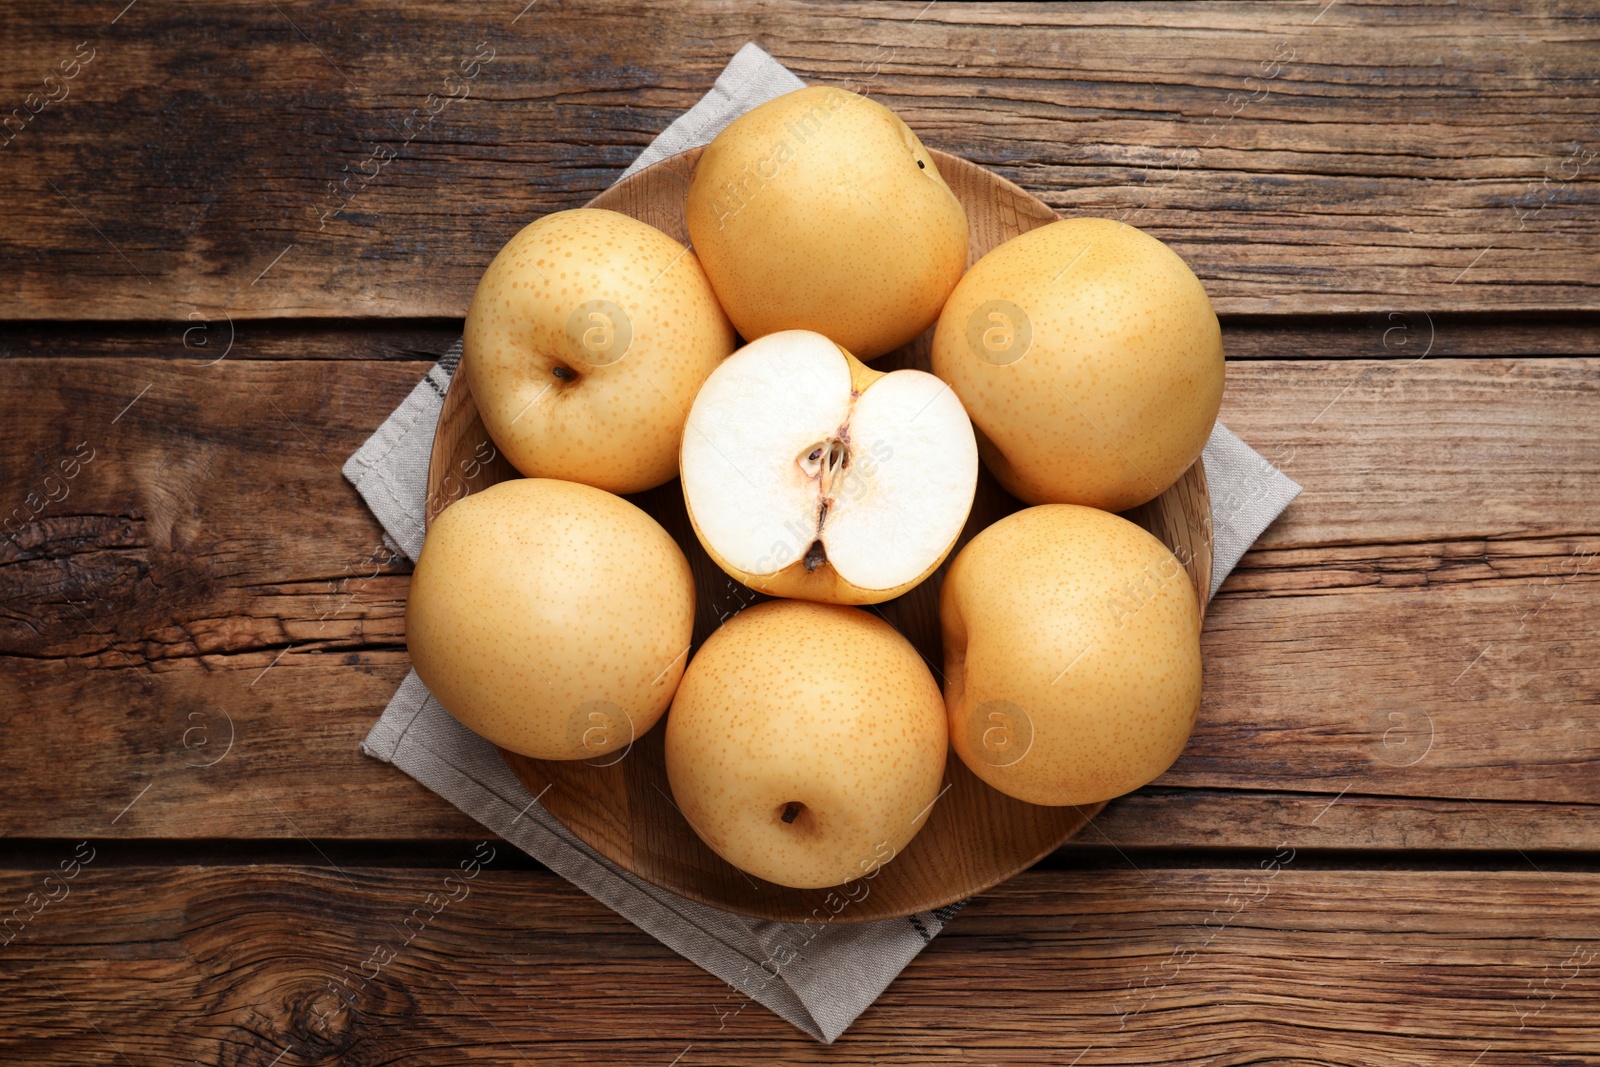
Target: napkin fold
x: 819, y: 977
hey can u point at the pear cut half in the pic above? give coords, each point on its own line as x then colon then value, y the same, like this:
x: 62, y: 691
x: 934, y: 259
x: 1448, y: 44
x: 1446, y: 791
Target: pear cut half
x: 807, y: 474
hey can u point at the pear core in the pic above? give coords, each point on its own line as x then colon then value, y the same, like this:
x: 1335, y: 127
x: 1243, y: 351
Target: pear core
x: 809, y: 475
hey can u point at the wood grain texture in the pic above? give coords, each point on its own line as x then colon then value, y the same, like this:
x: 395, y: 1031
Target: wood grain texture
x: 294, y: 772
x: 211, y: 539
x: 1370, y: 157
x: 1262, y: 960
x: 1161, y: 817
x: 1393, y: 335
x: 1403, y: 667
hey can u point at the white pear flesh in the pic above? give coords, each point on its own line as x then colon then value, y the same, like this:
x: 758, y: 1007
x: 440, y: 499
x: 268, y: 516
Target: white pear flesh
x: 809, y: 475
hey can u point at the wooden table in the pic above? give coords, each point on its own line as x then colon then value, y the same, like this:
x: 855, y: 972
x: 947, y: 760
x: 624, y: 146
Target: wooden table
x: 236, y: 234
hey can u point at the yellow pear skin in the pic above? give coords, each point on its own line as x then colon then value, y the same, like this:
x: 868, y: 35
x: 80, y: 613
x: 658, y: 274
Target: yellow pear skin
x: 806, y: 744
x: 1072, y: 655
x: 550, y: 617
x: 821, y: 210
x: 1090, y: 360
x: 585, y: 343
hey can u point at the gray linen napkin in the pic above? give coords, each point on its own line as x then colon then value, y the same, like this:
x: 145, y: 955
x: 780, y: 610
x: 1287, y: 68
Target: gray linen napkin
x: 818, y: 977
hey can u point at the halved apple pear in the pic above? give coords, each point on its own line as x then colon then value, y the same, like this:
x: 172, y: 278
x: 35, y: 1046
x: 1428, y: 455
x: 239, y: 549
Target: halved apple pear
x: 807, y: 474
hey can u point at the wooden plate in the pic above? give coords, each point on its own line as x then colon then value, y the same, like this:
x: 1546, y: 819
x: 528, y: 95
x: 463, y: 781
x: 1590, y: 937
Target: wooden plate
x: 622, y: 806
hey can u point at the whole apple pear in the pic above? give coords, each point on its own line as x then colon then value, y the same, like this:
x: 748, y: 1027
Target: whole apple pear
x: 1090, y: 360
x: 821, y: 210
x: 586, y: 341
x: 1072, y: 655
x: 550, y: 617
x: 806, y: 744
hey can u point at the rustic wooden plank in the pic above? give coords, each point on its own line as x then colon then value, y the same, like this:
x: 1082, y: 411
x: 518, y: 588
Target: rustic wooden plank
x: 1473, y: 474
x: 202, y: 340
x: 1403, y: 452
x: 1163, y: 817
x: 1400, y: 336
x: 1266, y: 958
x: 209, y: 559
x: 1320, y: 695
x: 162, y: 768
x: 1306, y: 160
x: 1467, y: 694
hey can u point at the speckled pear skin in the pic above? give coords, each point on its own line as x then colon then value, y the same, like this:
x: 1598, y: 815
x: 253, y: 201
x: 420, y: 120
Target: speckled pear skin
x: 550, y: 617
x: 1072, y: 655
x: 1121, y: 380
x: 821, y: 210
x: 609, y: 415
x: 824, y: 706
